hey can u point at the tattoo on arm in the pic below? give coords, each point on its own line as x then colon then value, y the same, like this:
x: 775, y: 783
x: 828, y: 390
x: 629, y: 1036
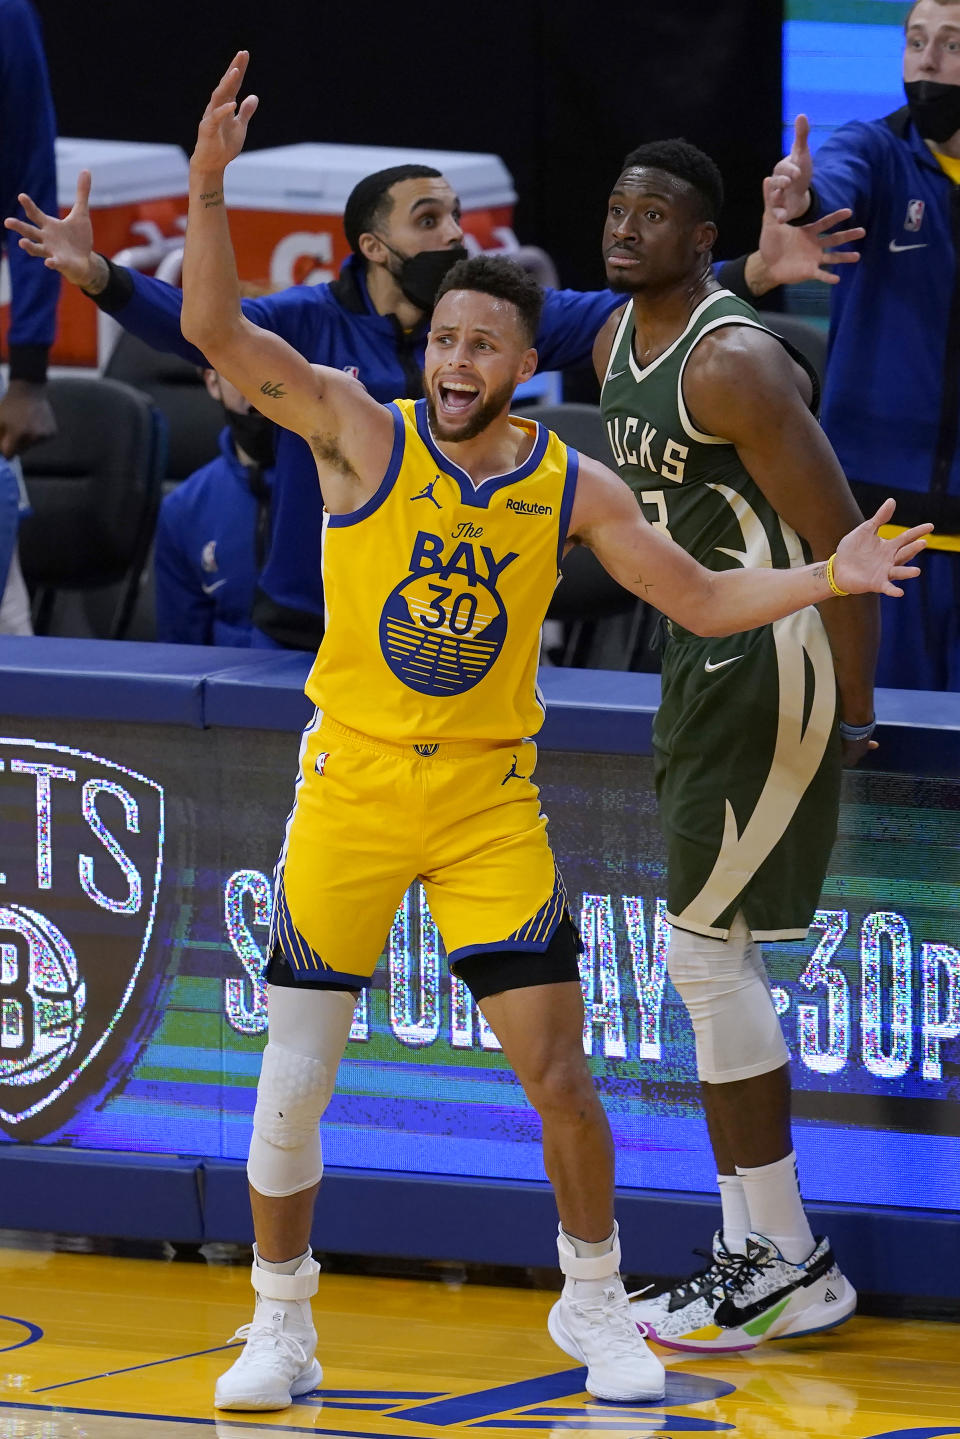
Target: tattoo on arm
x: 101, y: 277
x: 820, y: 572
x: 640, y: 582
x: 273, y: 389
x: 211, y: 198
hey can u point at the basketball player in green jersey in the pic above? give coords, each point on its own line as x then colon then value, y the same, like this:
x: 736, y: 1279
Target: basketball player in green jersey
x: 711, y: 420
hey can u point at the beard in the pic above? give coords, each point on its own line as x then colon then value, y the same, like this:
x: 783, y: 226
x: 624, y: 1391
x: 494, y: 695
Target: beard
x: 621, y: 284
x: 495, y: 403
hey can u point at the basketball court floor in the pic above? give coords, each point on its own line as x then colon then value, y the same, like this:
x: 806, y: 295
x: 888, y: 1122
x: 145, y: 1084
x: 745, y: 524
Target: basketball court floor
x: 95, y: 1347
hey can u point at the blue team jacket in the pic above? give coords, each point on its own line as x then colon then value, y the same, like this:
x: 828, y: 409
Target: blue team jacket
x: 334, y: 325
x: 892, y: 394
x: 205, y: 557
x: 27, y: 130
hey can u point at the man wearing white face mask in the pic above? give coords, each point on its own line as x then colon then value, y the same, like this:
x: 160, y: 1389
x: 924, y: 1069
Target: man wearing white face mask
x: 892, y: 397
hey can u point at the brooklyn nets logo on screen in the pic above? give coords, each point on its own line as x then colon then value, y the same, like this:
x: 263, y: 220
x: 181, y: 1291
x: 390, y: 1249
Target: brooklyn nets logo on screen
x: 81, y: 851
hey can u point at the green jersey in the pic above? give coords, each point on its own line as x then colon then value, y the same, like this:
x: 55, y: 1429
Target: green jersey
x: 747, y: 754
x: 690, y: 484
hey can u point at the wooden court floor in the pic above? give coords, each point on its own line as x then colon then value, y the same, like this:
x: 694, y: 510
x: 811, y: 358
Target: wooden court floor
x: 95, y: 1347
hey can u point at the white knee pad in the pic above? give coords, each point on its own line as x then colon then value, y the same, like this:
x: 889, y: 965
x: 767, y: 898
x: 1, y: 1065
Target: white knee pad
x: 308, y: 1032
x: 724, y: 985
x: 292, y: 1093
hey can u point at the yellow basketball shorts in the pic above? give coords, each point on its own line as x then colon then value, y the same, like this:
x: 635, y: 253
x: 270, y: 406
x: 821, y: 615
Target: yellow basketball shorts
x: 370, y: 817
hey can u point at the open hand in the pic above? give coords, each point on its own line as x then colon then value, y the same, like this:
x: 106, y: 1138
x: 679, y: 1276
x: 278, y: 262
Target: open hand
x: 796, y: 169
x: 64, y: 245
x: 793, y: 253
x: 223, y: 128
x: 865, y: 563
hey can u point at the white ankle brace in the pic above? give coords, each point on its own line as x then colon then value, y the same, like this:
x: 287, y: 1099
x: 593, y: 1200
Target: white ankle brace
x: 289, y: 1287
x: 599, y: 1266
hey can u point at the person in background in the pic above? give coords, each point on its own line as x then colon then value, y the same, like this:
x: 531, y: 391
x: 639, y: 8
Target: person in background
x: 27, y: 163
x: 213, y: 532
x: 892, y: 396
x: 404, y: 231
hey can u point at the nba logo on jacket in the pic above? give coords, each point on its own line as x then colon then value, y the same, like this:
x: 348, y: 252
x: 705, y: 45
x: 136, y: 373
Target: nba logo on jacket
x: 914, y: 218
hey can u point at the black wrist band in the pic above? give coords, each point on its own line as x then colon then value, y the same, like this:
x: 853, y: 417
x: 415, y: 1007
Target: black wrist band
x: 29, y: 362
x: 732, y: 275
x: 117, y: 292
x: 811, y: 212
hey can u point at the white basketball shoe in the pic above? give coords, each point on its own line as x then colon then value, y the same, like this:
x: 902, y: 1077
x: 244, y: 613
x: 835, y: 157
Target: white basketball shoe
x: 592, y: 1322
x: 277, y: 1361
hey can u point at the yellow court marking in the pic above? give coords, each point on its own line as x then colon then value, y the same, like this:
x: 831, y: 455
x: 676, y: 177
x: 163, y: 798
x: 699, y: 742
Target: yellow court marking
x: 82, y: 1335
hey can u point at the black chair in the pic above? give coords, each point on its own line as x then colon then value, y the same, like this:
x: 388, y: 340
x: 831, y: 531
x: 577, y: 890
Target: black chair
x: 587, y: 595
x: 810, y: 339
x: 95, y: 491
x: 194, y: 418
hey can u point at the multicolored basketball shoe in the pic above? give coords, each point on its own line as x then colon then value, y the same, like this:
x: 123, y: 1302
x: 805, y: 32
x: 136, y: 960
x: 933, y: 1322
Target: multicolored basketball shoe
x: 755, y: 1297
x: 680, y: 1316
x: 770, y: 1298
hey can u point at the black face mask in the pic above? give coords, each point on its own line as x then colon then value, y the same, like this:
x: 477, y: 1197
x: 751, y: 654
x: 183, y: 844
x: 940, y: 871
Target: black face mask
x: 420, y: 276
x: 934, y: 108
x: 254, y: 434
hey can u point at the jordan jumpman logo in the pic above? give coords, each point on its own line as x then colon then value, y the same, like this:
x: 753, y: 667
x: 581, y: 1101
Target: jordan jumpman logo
x: 511, y: 773
x: 427, y: 494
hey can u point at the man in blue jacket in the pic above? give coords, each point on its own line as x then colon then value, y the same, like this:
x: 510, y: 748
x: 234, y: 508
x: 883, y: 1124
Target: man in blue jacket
x: 892, y: 398
x: 213, y: 532
x: 403, y: 227
x: 27, y: 127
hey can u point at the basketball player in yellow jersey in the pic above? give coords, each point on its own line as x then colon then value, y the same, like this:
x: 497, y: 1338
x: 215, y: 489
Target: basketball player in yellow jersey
x: 446, y: 522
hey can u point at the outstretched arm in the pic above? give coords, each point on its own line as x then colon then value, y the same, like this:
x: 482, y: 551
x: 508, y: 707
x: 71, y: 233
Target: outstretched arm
x: 606, y: 517
x: 145, y: 306
x: 350, y: 434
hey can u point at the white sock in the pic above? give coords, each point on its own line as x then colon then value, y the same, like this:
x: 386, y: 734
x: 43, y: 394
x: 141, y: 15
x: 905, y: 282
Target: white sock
x: 286, y: 1266
x: 736, y: 1216
x: 772, y: 1193
x: 587, y: 1249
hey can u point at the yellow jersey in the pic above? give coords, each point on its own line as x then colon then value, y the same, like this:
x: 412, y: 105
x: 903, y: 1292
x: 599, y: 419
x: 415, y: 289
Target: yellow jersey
x: 435, y: 591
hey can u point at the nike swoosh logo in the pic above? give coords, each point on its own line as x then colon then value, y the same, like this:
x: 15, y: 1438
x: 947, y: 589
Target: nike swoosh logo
x: 209, y: 589
x: 896, y: 249
x: 729, y: 1314
x: 617, y: 375
x: 709, y: 667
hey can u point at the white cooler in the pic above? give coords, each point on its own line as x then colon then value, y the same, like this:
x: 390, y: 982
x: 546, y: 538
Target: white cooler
x: 286, y: 204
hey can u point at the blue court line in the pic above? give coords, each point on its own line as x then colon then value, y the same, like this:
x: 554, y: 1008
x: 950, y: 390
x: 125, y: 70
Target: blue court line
x: 387, y: 1394
x: 653, y: 1423
x: 462, y: 1408
x: 109, y: 1373
x: 34, y: 1332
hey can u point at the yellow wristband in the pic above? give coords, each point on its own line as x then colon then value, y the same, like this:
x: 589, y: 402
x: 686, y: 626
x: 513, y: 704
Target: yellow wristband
x: 834, y: 587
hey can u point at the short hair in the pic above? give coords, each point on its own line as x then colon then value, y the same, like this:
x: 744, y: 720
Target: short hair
x: 684, y: 161
x: 504, y: 280
x: 370, y: 202
x: 917, y: 2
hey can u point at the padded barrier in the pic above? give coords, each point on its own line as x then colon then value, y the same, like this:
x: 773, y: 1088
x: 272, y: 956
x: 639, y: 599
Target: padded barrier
x: 514, y: 1222
x: 593, y: 711
x: 126, y: 1196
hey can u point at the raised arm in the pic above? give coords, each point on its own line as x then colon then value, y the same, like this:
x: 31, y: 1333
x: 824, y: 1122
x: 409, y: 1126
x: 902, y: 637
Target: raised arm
x: 350, y: 434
